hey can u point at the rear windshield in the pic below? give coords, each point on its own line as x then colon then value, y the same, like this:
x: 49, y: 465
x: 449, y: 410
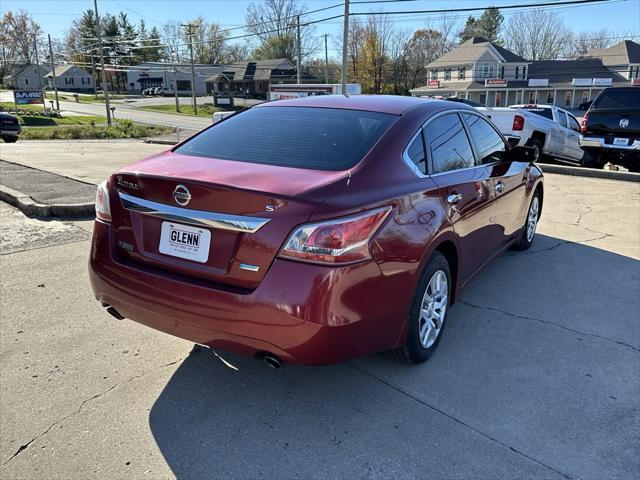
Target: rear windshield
x: 619, y: 99
x: 301, y: 137
x: 543, y: 112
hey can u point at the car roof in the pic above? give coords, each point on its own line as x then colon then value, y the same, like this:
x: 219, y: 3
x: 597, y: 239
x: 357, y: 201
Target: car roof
x: 392, y: 104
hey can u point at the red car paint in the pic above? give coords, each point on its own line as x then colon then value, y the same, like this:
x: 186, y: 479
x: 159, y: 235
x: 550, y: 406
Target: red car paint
x: 304, y: 312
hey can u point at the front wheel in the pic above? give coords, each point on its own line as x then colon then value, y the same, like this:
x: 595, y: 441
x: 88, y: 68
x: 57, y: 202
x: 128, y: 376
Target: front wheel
x: 591, y: 159
x: 530, y: 224
x: 537, y: 150
x: 428, y: 313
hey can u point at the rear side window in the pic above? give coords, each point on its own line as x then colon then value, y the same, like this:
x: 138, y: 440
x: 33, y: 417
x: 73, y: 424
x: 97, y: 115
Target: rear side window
x: 562, y: 118
x: 449, y: 145
x: 620, y: 99
x: 300, y: 137
x: 490, y: 146
x: 543, y: 112
x: 416, y: 153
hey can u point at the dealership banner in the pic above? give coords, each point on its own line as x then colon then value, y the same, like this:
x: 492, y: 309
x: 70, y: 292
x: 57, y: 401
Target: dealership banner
x: 28, y: 97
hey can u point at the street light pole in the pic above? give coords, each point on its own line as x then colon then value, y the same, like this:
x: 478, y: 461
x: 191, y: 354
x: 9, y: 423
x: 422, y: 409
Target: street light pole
x: 326, y: 60
x: 105, y: 88
x: 53, y: 72
x: 345, y: 40
x: 175, y: 80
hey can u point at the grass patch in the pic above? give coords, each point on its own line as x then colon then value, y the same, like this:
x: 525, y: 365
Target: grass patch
x: 82, y: 97
x: 121, y: 129
x: 44, y: 121
x: 205, y: 110
x: 11, y: 107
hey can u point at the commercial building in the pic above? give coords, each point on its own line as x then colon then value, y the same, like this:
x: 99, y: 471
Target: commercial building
x: 491, y: 75
x: 162, y: 74
x: 253, y: 78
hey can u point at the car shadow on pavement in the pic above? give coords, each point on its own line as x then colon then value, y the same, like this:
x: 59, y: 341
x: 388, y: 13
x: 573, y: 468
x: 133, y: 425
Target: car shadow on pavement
x: 537, y: 375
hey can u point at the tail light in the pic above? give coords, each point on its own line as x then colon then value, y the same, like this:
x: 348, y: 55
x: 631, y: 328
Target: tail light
x: 518, y: 123
x: 583, y: 123
x: 339, y: 241
x: 103, y: 211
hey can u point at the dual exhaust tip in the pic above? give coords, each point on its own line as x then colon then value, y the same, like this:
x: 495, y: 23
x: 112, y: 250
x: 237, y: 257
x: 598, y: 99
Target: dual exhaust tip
x: 270, y: 359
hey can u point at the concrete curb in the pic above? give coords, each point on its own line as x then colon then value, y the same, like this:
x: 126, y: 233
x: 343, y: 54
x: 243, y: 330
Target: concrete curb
x: 589, y: 172
x: 29, y: 206
x: 161, y: 142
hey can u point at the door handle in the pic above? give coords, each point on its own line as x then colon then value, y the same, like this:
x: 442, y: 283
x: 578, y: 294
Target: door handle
x: 454, y: 198
x: 499, y: 187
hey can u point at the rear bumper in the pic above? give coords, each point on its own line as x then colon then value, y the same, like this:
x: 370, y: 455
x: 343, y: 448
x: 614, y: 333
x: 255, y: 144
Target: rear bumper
x: 599, y: 142
x: 5, y: 132
x: 302, y: 313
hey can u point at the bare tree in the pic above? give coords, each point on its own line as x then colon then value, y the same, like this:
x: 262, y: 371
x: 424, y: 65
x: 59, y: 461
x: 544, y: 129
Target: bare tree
x: 273, y: 22
x: 537, y: 35
x: 16, y: 36
x: 583, y: 42
x: 172, y: 33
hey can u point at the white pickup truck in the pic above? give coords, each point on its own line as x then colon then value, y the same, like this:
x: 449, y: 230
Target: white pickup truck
x: 551, y: 131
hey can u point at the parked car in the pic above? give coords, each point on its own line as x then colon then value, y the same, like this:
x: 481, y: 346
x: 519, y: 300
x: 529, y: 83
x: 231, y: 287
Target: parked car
x: 157, y: 90
x: 166, y: 92
x: 314, y: 230
x: 611, y: 128
x: 9, y: 128
x: 549, y: 130
x: 219, y: 116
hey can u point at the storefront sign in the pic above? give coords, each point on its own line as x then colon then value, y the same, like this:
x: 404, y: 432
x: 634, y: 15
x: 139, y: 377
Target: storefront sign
x: 495, y: 82
x: 602, y: 82
x: 582, y: 82
x: 538, y: 82
x: 433, y: 84
x: 635, y: 81
x: 28, y: 97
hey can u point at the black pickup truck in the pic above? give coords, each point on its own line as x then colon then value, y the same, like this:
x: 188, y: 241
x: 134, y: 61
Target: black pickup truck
x: 610, y: 130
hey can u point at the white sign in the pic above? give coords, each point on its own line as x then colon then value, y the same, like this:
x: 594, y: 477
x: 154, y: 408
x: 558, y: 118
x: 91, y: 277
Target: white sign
x: 582, y: 82
x: 601, y: 82
x: 538, y: 82
x: 286, y: 95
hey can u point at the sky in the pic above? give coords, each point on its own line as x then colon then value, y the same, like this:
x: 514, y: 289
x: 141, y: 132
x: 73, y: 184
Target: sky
x: 54, y: 16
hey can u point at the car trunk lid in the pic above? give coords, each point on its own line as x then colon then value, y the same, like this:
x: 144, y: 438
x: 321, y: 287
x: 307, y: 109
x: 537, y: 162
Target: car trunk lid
x: 239, y: 212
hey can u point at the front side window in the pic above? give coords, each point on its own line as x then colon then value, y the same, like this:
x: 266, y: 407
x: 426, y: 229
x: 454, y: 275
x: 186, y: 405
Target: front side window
x: 448, y: 143
x: 573, y: 123
x: 416, y: 153
x: 567, y: 99
x: 299, y: 137
x: 489, y: 145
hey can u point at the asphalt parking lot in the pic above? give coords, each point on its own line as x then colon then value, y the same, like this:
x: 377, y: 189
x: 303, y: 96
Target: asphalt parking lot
x: 537, y: 375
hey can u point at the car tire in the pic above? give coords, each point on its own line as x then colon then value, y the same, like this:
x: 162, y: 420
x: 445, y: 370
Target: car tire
x: 537, y: 147
x: 591, y: 159
x: 10, y: 139
x: 530, y: 224
x: 428, y: 314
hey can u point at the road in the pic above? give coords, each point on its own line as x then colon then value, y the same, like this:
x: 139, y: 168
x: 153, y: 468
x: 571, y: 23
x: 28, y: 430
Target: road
x: 537, y: 375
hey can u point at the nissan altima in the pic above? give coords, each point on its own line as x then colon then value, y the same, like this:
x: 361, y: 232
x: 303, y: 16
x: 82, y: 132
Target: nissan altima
x: 314, y: 230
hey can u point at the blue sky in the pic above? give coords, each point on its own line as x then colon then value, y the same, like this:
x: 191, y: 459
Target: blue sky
x: 618, y: 16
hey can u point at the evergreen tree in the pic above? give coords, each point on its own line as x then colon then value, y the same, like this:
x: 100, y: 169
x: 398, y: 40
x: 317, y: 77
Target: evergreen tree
x: 470, y: 29
x: 490, y: 23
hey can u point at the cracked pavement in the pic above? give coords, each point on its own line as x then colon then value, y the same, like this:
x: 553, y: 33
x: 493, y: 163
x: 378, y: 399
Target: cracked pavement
x: 537, y: 375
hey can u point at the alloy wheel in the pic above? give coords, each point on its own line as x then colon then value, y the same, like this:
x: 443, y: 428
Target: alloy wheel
x: 433, y: 308
x: 532, y: 219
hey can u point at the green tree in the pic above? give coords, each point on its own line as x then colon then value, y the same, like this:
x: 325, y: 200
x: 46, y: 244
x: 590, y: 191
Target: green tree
x: 470, y: 29
x: 490, y: 24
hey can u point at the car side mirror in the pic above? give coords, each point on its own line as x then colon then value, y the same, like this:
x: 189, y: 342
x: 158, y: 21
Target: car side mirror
x: 521, y: 154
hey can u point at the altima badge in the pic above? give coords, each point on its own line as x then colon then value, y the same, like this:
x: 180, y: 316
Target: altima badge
x: 624, y: 123
x: 181, y: 195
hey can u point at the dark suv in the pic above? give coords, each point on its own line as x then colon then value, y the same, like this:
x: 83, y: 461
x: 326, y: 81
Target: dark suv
x: 611, y: 128
x: 9, y: 128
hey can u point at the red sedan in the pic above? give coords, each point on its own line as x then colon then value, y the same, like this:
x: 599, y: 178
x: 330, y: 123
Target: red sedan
x: 314, y: 230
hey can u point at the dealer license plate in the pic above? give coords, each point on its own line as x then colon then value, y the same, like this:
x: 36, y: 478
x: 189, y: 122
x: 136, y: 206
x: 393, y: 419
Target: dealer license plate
x: 620, y: 141
x: 185, y: 241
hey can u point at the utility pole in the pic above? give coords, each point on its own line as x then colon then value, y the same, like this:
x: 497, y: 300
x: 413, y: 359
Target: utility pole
x: 105, y: 88
x: 53, y: 72
x: 326, y: 60
x: 298, y: 52
x: 93, y: 76
x: 193, y: 73
x: 345, y: 41
x: 35, y: 49
x: 174, y: 54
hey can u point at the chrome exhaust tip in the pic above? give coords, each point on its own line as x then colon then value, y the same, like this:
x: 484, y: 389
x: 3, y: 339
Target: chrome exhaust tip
x: 113, y: 312
x: 273, y: 361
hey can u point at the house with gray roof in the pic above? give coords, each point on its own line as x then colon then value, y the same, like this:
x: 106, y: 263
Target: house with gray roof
x: 25, y: 77
x: 491, y: 75
x: 623, y: 57
x: 70, y: 78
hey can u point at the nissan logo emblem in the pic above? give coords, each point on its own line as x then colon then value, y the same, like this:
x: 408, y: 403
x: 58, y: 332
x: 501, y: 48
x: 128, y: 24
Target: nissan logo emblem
x: 181, y: 195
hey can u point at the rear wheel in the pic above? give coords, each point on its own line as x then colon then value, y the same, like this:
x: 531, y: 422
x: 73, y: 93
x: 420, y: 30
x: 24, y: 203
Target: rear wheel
x: 537, y: 150
x: 10, y: 139
x: 428, y: 313
x: 530, y: 224
x: 591, y: 159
